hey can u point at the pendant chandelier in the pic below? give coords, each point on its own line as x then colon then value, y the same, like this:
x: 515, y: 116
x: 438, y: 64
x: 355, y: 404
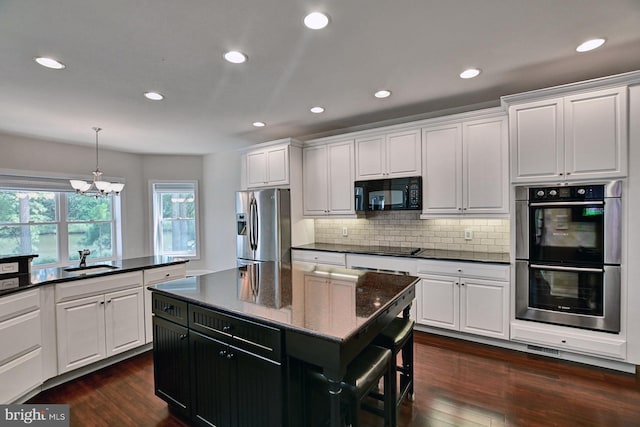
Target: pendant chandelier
x: 98, y: 187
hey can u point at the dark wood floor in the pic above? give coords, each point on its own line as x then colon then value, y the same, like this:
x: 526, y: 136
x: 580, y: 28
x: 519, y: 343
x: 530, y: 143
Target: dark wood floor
x: 457, y: 384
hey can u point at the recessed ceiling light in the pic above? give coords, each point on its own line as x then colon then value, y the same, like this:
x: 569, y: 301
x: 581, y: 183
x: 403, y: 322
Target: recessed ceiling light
x: 382, y: 94
x: 49, y: 63
x: 259, y: 124
x: 469, y: 73
x: 235, y: 57
x: 590, y: 45
x: 154, y: 96
x: 317, y: 110
x: 316, y: 20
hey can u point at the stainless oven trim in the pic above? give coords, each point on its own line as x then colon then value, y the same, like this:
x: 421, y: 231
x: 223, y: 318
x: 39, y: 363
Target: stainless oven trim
x: 612, y: 230
x: 607, y: 323
x: 594, y: 202
x: 561, y: 268
x: 522, y: 229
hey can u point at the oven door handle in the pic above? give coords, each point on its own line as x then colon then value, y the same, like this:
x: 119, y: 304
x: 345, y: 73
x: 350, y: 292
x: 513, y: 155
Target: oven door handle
x: 558, y: 268
x: 593, y: 202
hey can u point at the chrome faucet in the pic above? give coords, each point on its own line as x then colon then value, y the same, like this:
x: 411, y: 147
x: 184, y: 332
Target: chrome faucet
x: 83, y: 257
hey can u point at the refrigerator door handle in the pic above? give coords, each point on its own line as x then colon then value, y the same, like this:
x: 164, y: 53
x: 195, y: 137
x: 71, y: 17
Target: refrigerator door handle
x: 253, y: 220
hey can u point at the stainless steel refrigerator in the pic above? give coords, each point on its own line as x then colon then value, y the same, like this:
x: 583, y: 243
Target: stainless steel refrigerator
x: 263, y: 220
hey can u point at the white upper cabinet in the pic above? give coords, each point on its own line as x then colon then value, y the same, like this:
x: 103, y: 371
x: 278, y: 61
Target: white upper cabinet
x: 388, y: 155
x: 485, y: 166
x: 328, y: 178
x: 578, y: 136
x: 465, y: 168
x: 268, y: 166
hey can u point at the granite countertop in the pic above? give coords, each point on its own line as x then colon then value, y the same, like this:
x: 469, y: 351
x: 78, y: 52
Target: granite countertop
x: 58, y: 275
x: 326, y: 301
x: 419, y: 253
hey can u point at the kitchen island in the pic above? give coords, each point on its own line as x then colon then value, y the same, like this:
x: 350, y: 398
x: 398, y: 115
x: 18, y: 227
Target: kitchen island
x: 231, y: 347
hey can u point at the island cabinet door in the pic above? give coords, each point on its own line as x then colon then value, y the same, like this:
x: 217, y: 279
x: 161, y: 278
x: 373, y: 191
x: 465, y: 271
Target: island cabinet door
x: 259, y: 390
x: 212, y: 377
x: 171, y: 364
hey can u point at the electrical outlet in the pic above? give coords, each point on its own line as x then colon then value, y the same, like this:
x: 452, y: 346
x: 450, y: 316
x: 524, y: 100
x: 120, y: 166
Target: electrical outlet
x: 468, y: 234
x: 345, y: 231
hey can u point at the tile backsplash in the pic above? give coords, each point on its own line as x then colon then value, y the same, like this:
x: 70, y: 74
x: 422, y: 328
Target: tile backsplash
x: 406, y: 229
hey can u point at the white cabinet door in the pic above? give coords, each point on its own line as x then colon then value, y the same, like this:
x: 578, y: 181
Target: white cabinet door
x: 278, y: 166
x: 581, y: 136
x: 485, y: 166
x: 537, y: 140
x: 315, y: 180
x: 124, y: 318
x: 328, y: 179
x: 370, y: 157
x: 256, y: 169
x: 268, y: 166
x: 390, y: 155
x: 484, y: 308
x: 437, y: 303
x: 340, y: 174
x: 596, y: 134
x: 81, y: 332
x: 442, y: 161
x: 403, y: 154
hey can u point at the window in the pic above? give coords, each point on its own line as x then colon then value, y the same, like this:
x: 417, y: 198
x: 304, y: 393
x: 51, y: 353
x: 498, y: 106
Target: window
x: 55, y: 225
x: 175, y: 218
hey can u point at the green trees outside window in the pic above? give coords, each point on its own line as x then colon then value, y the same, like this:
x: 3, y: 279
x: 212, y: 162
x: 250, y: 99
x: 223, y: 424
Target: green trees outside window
x: 55, y: 225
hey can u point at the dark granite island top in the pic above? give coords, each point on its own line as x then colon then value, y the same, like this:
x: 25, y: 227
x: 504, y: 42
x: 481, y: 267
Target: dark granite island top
x: 326, y: 315
x: 296, y: 298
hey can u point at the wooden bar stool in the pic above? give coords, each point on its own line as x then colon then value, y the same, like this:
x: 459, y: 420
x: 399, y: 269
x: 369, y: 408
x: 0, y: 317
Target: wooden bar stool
x: 363, y: 374
x: 398, y: 337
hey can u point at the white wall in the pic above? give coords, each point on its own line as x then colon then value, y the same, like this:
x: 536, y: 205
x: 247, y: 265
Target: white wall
x: 32, y: 155
x: 56, y: 159
x: 632, y: 200
x: 220, y: 181
x: 172, y: 167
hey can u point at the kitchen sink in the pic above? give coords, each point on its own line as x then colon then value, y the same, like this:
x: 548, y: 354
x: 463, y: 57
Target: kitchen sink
x: 90, y: 269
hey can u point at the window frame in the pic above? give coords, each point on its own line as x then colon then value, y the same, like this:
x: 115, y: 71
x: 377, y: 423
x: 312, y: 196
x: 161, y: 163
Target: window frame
x: 155, y: 208
x: 15, y: 181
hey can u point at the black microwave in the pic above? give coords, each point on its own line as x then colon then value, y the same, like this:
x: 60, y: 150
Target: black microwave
x: 389, y: 194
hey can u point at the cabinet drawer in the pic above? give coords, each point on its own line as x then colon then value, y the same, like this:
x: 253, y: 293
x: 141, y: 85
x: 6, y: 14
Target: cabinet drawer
x: 9, y: 267
x: 20, y: 376
x: 258, y: 339
x: 319, y: 257
x: 19, y: 303
x: 467, y: 269
x: 570, y: 341
x: 98, y: 285
x: 169, y: 308
x: 20, y: 335
x: 163, y: 274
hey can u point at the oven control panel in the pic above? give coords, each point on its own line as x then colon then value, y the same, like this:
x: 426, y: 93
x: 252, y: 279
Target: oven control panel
x: 567, y: 193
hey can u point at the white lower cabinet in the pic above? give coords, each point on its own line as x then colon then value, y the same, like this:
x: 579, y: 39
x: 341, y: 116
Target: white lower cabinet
x: 319, y: 257
x: 98, y: 318
x: 153, y: 276
x: 466, y: 297
x: 20, y: 348
x: 569, y: 339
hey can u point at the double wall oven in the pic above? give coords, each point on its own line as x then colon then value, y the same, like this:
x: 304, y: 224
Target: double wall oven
x: 568, y: 244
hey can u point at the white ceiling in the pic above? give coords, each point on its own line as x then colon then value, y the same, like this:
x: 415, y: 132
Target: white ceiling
x: 117, y: 49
